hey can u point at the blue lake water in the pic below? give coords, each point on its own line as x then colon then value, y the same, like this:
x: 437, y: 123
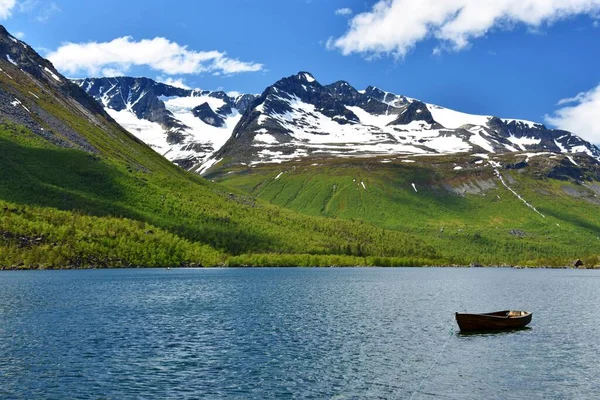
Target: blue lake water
x: 296, y: 333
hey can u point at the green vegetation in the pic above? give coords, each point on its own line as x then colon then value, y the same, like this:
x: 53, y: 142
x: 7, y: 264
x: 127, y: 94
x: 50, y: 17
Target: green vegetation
x: 65, y: 207
x: 490, y: 226
x: 127, y: 206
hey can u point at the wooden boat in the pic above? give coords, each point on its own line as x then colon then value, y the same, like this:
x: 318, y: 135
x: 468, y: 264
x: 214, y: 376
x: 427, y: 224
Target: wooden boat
x: 495, y: 321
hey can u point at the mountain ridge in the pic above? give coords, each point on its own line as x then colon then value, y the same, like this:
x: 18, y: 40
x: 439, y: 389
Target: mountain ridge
x: 178, y: 123
x: 297, y: 117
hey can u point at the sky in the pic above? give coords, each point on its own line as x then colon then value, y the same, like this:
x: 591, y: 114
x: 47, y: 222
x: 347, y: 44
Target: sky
x: 529, y: 59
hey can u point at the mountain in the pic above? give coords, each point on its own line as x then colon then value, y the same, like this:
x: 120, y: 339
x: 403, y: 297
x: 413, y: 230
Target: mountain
x: 186, y: 126
x: 298, y: 118
x: 78, y: 190
x: 459, y: 181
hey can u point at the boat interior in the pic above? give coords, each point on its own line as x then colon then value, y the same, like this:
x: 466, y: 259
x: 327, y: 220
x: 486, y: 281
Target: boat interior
x: 505, y: 314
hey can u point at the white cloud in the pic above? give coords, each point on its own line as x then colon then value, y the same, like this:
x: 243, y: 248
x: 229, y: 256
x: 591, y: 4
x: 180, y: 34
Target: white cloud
x: 42, y: 9
x: 28, y: 5
x: 344, y: 11
x: 19, y: 35
x: 47, y: 11
x: 111, y: 72
x: 177, y: 82
x: 6, y: 7
x: 159, y: 54
x: 396, y: 26
x: 580, y: 115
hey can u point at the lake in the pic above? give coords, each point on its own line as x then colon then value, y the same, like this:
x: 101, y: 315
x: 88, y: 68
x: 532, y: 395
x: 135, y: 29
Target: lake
x: 296, y: 333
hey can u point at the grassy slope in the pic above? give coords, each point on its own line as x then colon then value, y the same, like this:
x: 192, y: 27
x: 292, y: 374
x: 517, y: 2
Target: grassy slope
x: 129, y: 206
x: 462, y: 229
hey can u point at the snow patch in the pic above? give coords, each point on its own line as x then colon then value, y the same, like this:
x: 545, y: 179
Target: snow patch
x: 581, y: 149
x: 478, y: 139
x: 415, y: 188
x: 495, y: 165
x: 454, y: 119
x: 186, y: 104
x: 4, y: 72
x: 150, y: 133
x: 562, y: 148
x: 523, y: 141
x: 198, y: 130
x: 529, y: 155
x: 208, y: 164
x: 278, y: 176
x: 265, y: 138
x: 52, y: 74
x: 17, y: 103
x: 366, y: 118
x: 11, y: 60
x: 448, y: 144
x: 308, y: 78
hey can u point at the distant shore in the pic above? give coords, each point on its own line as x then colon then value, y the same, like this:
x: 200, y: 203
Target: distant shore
x: 66, y: 268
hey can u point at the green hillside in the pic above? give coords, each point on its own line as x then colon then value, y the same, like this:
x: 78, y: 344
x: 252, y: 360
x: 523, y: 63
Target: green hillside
x: 459, y: 207
x: 77, y: 190
x: 126, y: 205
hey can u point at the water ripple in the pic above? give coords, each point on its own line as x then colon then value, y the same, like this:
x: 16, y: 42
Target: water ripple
x: 294, y: 333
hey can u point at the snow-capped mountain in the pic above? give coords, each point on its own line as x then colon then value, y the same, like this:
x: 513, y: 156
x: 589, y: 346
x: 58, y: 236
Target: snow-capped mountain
x: 186, y: 126
x: 297, y: 117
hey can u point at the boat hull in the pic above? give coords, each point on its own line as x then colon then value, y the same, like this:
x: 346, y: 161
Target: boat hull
x: 496, y: 321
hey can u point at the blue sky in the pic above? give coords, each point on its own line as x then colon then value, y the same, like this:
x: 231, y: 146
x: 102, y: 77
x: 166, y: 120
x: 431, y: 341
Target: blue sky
x: 515, y: 59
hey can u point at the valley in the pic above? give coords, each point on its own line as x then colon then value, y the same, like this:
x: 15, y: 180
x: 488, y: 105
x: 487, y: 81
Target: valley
x: 301, y: 175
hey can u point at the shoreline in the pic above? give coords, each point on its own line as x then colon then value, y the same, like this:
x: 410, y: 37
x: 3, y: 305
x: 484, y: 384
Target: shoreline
x: 70, y: 268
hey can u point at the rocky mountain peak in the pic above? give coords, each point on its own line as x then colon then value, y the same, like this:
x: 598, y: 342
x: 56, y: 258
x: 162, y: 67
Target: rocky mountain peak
x: 306, y: 77
x: 386, y: 97
x: 185, y: 125
x: 297, y: 117
x: 415, y: 111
